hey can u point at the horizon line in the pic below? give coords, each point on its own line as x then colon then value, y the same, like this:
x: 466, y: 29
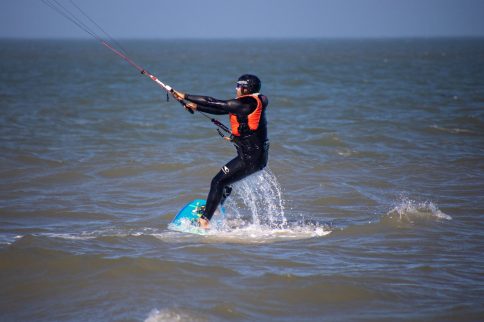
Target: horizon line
x: 257, y: 38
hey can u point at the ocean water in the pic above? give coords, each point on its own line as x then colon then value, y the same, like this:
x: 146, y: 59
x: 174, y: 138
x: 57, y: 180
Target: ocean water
x: 371, y: 208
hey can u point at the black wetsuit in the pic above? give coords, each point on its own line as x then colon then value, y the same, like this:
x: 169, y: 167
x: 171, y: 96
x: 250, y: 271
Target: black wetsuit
x: 252, y: 146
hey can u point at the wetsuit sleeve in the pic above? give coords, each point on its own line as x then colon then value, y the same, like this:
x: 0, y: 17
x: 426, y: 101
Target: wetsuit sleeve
x: 214, y: 106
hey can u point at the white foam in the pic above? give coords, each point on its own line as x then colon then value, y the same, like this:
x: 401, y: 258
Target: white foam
x: 171, y: 315
x: 83, y: 236
x: 254, y: 233
x: 8, y: 239
x: 247, y: 234
x: 453, y: 130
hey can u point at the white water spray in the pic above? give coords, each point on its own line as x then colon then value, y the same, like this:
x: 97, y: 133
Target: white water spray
x: 261, y: 195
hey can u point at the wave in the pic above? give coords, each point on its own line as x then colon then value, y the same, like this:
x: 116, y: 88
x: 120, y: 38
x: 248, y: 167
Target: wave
x: 411, y: 212
x: 9, y: 238
x: 259, y: 234
x: 406, y: 214
x: 452, y: 130
x: 232, y: 231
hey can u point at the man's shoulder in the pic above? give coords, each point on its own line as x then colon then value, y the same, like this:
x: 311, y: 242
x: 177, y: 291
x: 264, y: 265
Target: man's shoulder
x: 250, y: 99
x: 264, y: 100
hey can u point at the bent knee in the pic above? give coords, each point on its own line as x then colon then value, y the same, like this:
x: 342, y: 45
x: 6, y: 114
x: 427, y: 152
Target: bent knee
x: 217, y: 180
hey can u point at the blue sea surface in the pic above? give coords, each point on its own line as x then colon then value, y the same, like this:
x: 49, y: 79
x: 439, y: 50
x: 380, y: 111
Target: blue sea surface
x: 371, y: 208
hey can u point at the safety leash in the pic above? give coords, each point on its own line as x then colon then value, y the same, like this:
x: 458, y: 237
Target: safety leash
x: 220, y: 127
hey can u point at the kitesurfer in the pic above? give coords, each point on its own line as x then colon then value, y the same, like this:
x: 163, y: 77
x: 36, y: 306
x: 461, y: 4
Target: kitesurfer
x: 248, y: 128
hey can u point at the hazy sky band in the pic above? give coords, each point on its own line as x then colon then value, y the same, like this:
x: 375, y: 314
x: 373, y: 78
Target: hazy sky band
x: 250, y: 18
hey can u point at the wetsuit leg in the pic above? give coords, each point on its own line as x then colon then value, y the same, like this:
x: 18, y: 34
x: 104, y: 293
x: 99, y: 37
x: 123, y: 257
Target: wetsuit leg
x: 233, y: 171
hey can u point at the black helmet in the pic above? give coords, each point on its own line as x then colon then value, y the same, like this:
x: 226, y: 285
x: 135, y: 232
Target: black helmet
x: 250, y: 82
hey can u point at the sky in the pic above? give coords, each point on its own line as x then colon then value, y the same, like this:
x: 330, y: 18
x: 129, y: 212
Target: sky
x: 250, y: 18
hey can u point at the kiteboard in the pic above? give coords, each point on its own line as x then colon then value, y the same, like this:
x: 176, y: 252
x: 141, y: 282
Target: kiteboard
x: 186, y: 220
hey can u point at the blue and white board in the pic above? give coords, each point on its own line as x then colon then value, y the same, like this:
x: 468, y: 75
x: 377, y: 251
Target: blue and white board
x: 187, y: 219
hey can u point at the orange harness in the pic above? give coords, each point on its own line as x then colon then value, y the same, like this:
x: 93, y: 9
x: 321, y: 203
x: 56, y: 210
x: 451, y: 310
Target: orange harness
x: 252, y: 119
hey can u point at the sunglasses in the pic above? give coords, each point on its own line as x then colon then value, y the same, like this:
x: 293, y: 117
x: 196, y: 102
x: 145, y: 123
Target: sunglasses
x: 241, y: 84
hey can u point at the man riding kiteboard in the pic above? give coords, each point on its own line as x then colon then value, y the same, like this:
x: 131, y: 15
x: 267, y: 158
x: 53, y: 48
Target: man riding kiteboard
x: 248, y: 128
